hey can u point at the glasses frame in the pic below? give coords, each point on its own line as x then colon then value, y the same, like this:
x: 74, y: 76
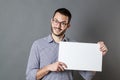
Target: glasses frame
x: 56, y: 22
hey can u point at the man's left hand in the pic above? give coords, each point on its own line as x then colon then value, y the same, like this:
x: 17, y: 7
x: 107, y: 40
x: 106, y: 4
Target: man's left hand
x: 103, y: 47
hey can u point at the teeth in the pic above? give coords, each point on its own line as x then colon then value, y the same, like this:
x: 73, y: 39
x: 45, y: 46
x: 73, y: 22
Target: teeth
x: 57, y: 29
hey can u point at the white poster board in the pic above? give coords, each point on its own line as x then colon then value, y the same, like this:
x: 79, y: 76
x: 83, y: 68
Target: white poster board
x: 80, y: 56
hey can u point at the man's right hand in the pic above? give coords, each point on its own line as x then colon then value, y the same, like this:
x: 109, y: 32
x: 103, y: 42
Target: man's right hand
x: 57, y: 66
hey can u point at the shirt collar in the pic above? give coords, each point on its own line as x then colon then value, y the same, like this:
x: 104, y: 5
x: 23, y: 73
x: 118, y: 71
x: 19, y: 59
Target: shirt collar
x: 50, y: 39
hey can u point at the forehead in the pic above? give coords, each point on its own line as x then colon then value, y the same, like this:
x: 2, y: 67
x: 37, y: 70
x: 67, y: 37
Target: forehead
x: 61, y: 17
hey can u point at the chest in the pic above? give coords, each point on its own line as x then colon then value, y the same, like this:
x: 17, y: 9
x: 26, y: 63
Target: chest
x: 49, y: 54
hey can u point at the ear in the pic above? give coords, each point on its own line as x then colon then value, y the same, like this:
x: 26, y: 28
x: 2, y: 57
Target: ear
x: 69, y: 25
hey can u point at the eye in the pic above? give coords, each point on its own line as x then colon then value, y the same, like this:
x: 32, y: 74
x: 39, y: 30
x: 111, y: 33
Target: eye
x: 56, y: 21
x: 64, y: 24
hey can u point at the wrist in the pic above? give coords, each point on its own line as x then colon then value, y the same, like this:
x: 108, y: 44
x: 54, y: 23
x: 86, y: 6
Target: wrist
x: 47, y: 68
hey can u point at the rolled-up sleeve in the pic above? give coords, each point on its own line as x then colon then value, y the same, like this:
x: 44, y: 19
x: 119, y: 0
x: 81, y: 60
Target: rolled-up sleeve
x: 33, y: 63
x: 87, y: 75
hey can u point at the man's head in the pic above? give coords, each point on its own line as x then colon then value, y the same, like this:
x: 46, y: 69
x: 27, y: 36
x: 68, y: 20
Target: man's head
x: 60, y: 21
x: 64, y: 12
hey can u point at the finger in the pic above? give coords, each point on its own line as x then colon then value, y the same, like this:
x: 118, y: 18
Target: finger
x: 63, y: 64
x: 61, y: 68
x: 103, y: 53
x: 104, y: 48
x: 58, y: 69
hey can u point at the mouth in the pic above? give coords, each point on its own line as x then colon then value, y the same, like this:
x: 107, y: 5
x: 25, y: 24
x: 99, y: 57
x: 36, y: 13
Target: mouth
x: 57, y: 29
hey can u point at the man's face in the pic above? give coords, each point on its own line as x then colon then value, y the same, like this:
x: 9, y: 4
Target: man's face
x: 59, y: 24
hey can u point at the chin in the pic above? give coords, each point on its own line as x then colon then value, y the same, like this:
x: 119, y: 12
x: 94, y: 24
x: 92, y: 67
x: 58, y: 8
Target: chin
x: 57, y: 34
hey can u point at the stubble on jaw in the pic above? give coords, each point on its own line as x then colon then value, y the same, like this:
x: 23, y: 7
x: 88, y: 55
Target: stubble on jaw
x: 62, y: 33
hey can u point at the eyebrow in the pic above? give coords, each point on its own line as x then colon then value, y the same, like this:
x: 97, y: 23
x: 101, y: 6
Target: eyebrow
x: 59, y: 21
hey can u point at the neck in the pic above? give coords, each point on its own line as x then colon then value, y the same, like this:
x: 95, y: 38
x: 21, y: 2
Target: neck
x: 57, y: 39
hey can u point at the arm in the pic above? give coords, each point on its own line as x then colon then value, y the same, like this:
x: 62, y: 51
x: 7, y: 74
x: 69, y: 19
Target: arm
x: 33, y: 72
x: 57, y: 66
x: 33, y: 63
x: 42, y: 72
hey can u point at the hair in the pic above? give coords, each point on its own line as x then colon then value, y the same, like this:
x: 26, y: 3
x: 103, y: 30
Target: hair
x: 65, y: 12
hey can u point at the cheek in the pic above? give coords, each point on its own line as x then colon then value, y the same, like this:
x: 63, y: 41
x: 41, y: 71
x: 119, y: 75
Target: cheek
x: 63, y: 28
x: 51, y: 25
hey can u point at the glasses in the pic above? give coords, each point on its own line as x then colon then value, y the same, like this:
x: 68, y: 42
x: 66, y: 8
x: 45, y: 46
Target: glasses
x: 63, y: 23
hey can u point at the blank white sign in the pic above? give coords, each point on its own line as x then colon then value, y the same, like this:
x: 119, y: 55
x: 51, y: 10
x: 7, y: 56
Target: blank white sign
x: 80, y: 56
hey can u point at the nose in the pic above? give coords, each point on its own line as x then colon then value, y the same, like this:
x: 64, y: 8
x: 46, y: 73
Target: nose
x: 58, y: 25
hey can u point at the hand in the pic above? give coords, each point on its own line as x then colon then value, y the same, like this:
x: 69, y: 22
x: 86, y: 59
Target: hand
x: 57, y: 66
x: 103, y: 47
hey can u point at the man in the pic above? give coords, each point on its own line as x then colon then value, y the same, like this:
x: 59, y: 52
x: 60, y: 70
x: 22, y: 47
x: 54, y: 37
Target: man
x: 43, y: 61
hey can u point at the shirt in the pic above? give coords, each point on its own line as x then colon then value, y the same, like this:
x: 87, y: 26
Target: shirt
x: 44, y: 52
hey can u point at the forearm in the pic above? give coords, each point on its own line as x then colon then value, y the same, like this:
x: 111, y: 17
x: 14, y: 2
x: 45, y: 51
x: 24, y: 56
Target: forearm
x: 57, y: 66
x: 42, y: 72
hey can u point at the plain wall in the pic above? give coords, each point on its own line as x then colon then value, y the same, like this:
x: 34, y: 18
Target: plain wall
x: 24, y: 21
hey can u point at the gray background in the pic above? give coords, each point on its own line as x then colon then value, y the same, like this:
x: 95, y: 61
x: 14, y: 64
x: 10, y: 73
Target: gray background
x: 23, y: 21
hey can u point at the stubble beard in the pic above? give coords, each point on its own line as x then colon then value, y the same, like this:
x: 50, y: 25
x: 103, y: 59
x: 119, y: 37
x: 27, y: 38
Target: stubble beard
x: 60, y: 34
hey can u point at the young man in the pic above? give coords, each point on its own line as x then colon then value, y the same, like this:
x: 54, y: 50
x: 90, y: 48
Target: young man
x: 43, y: 61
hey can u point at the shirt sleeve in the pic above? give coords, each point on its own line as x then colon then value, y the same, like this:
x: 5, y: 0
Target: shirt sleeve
x: 87, y: 75
x: 33, y: 63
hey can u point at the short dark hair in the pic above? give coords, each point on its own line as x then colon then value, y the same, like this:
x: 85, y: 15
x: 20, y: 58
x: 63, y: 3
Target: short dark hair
x: 65, y: 12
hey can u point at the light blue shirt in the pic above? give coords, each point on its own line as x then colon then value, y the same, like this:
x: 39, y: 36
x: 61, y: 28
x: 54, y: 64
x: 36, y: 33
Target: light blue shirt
x: 44, y: 52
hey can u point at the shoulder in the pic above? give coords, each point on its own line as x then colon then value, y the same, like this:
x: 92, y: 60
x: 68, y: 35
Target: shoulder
x: 40, y: 41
